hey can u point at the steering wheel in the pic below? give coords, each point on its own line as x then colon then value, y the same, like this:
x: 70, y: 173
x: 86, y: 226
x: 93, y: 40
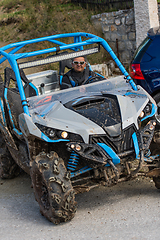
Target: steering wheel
x: 93, y: 79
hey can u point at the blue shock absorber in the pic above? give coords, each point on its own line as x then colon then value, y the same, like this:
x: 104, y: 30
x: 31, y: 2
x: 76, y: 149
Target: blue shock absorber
x: 73, y: 161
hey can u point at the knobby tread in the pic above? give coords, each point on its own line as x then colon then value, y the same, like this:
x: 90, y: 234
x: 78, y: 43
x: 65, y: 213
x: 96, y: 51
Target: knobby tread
x: 157, y: 182
x: 53, y: 190
x: 8, y: 167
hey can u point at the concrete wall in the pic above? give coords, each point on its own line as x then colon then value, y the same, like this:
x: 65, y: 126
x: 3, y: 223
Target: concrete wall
x: 145, y: 20
x: 119, y: 29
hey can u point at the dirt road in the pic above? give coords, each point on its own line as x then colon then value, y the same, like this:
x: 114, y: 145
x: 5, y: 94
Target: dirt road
x: 130, y: 210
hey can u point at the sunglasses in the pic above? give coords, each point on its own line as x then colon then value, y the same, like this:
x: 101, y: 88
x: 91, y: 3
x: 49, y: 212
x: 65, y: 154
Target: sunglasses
x: 81, y: 63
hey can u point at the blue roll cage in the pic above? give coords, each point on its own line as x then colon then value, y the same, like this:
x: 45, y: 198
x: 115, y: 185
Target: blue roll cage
x: 9, y: 52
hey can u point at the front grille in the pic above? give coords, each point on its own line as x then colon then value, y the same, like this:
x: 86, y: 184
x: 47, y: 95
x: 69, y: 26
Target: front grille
x: 119, y: 144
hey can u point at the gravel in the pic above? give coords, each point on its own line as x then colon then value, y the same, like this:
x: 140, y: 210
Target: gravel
x: 129, y: 210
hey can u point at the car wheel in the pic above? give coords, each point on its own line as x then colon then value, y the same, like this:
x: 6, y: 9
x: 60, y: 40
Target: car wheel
x: 52, y: 187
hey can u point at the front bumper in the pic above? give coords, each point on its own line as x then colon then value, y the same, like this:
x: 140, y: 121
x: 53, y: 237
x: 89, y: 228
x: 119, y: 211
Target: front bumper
x: 101, y: 153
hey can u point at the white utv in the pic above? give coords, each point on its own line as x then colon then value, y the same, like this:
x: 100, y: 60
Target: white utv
x: 74, y: 139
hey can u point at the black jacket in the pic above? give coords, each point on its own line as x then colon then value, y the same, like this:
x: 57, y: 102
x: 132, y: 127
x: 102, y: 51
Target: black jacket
x: 73, y: 78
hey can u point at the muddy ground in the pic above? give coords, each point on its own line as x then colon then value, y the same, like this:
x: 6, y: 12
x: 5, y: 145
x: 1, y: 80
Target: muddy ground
x: 130, y: 210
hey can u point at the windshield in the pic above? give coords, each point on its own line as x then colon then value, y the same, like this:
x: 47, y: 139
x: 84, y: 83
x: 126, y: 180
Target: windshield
x: 64, y: 96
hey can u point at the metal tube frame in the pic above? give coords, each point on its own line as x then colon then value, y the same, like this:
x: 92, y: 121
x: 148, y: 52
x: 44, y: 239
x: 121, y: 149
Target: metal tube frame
x: 12, y: 56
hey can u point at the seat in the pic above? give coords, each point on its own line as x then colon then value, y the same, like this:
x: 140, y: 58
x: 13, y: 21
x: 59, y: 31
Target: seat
x: 9, y: 75
x: 62, y: 65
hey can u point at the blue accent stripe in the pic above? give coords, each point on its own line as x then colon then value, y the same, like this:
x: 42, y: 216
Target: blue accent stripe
x: 34, y: 87
x: 2, y: 109
x: 80, y: 171
x: 136, y: 145
x: 60, y: 79
x: 9, y: 110
x: 132, y: 93
x: 18, y: 132
x: 154, y: 110
x: 73, y: 83
x: 111, y: 153
x: 47, y: 139
x: 100, y: 75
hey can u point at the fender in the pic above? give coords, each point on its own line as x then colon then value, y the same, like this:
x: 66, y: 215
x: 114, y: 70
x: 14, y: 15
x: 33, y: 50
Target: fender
x: 3, y: 128
x: 7, y: 136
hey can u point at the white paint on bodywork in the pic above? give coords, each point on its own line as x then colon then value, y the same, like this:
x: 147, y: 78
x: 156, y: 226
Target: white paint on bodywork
x: 65, y: 119
x: 131, y: 108
x: 27, y: 126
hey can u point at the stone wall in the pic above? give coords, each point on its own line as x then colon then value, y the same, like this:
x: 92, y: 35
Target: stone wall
x: 119, y: 31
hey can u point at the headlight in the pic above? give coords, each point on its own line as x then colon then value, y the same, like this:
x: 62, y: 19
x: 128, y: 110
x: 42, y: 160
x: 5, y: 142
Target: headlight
x: 51, y: 132
x: 64, y: 134
x: 55, y: 134
x: 146, y: 111
x: 141, y: 114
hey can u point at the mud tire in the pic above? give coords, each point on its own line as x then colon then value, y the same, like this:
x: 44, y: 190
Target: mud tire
x: 52, y: 187
x: 156, y: 180
x: 8, y: 167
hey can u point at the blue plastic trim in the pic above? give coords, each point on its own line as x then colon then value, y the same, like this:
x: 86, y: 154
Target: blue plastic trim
x: 154, y: 110
x: 17, y: 131
x: 73, y: 83
x: 111, y: 153
x: 136, y: 145
x: 100, y: 75
x: 9, y: 110
x: 34, y: 87
x: 80, y: 171
x: 3, y: 114
x: 47, y: 139
x: 154, y: 107
x: 131, y: 93
x: 60, y: 80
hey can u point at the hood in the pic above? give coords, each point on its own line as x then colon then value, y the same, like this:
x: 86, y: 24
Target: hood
x: 89, y: 110
x: 102, y: 110
x: 55, y: 115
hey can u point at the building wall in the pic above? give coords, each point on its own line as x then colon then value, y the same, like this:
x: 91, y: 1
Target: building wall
x: 145, y: 20
x: 119, y: 31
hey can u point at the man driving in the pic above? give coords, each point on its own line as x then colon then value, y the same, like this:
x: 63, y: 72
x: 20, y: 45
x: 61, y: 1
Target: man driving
x: 78, y: 75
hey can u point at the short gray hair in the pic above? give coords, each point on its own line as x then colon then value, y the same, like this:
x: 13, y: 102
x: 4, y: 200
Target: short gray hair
x: 78, y: 57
